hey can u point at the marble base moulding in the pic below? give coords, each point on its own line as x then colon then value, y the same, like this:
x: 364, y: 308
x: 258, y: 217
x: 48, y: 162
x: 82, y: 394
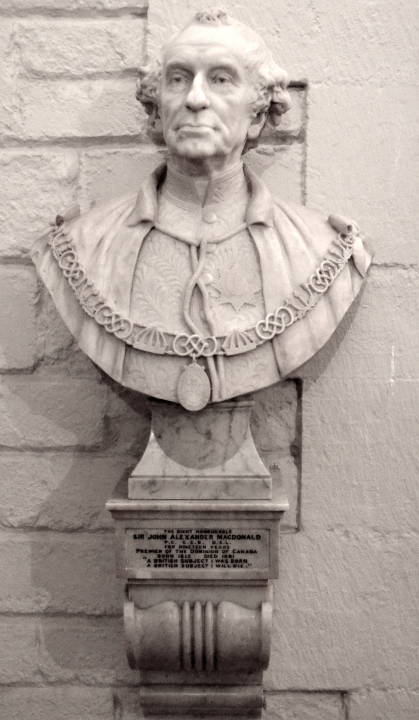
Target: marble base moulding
x: 197, y: 539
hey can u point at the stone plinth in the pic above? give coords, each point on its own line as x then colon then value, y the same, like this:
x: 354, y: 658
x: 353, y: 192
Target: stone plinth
x: 208, y: 455
x: 197, y: 557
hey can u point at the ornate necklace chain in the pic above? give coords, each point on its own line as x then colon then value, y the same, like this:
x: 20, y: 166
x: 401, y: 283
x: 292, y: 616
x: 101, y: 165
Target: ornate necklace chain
x: 152, y: 340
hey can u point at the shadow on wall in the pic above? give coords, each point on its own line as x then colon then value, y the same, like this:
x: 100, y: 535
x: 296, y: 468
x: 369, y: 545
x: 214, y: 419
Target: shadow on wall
x: 72, y: 582
x: 91, y: 434
x: 76, y: 438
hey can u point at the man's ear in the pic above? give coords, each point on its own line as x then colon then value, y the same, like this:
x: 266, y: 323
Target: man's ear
x: 155, y: 125
x: 256, y: 125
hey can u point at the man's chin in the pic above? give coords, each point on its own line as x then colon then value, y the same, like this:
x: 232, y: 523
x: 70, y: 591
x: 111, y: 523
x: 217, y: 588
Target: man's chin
x: 195, y: 149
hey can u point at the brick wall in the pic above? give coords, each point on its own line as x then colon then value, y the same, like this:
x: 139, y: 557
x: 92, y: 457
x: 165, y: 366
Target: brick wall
x: 342, y: 437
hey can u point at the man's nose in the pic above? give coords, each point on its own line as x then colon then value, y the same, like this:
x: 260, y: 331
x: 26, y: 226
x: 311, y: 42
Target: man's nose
x: 197, y: 98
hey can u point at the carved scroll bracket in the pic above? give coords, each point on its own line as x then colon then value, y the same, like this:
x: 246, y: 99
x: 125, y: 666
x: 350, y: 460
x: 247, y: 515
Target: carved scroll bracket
x: 198, y: 637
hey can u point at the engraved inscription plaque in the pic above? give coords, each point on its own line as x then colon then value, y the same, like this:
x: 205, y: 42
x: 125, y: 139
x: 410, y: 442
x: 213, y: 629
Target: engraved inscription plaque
x: 186, y: 549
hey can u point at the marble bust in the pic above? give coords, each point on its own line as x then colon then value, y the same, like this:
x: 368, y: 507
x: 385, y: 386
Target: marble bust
x: 200, y: 286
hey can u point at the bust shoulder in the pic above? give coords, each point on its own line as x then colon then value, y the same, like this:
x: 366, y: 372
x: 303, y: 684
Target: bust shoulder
x: 99, y: 217
x: 316, y: 220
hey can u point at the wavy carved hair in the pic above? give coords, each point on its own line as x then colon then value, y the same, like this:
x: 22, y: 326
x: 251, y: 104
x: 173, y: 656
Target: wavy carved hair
x: 270, y: 80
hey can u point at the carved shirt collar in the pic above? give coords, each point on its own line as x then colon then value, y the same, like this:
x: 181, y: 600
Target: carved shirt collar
x: 185, y: 190
x: 259, y: 208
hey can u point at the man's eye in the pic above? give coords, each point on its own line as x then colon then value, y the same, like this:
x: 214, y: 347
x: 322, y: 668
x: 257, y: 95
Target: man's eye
x: 220, y: 79
x: 177, y: 79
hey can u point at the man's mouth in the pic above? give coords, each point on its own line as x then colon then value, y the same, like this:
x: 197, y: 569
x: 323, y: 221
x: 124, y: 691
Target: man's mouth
x: 197, y: 127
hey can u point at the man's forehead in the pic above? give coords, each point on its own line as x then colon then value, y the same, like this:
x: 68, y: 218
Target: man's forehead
x: 206, y: 55
x: 225, y: 40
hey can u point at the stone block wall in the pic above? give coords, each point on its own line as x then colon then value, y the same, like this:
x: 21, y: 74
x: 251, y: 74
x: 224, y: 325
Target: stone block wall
x: 342, y: 436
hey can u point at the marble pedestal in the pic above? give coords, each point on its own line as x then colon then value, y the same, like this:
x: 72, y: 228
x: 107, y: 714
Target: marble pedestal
x: 197, y: 537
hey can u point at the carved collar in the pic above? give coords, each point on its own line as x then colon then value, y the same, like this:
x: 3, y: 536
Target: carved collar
x: 259, y: 209
x: 186, y: 191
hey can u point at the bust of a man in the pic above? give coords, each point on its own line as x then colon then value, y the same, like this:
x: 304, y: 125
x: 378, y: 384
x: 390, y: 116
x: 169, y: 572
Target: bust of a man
x: 201, y: 286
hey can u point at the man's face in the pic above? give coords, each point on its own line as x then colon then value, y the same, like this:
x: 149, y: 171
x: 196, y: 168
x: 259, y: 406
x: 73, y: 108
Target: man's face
x: 206, y: 95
